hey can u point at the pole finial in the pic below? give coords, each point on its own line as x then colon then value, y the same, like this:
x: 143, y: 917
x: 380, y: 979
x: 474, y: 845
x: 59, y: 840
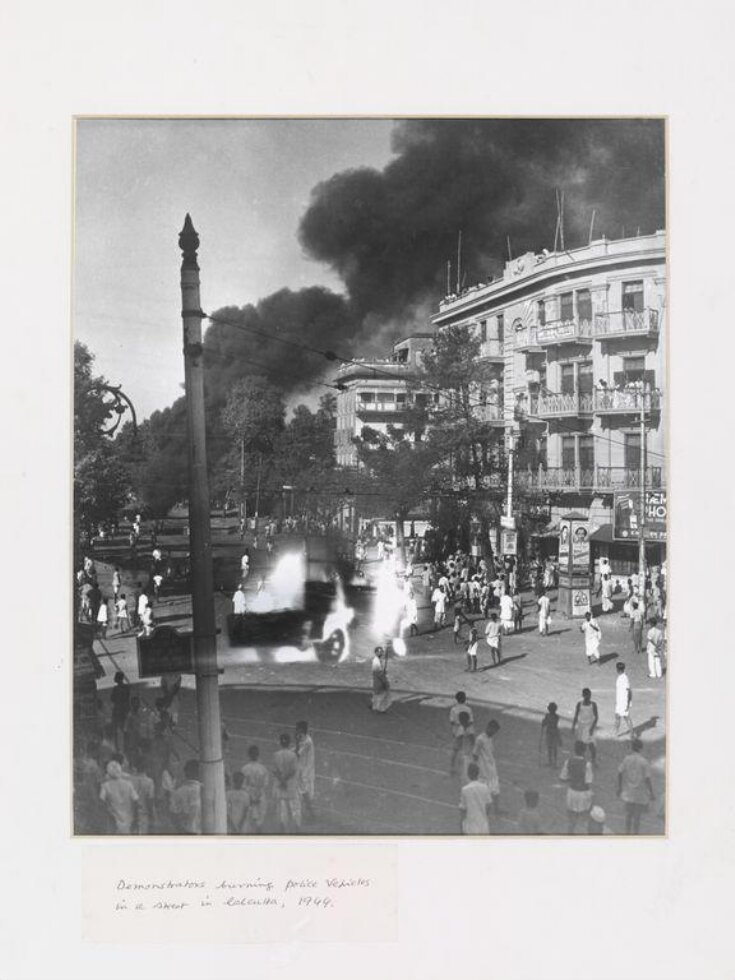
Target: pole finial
x: 189, y: 243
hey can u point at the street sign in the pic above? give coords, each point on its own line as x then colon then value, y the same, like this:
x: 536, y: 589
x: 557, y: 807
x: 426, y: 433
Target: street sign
x: 165, y: 651
x: 626, y: 516
x: 508, y: 522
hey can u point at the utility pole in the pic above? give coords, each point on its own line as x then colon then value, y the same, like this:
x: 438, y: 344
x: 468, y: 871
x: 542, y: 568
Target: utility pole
x: 509, y: 503
x: 642, y: 518
x: 242, y: 478
x: 214, y: 809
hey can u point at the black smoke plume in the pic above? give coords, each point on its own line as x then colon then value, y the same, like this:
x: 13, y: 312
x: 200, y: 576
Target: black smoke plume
x: 389, y: 234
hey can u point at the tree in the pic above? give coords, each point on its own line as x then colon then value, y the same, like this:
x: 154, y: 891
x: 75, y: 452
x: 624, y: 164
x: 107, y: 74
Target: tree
x: 101, y: 483
x: 467, y: 445
x: 401, y: 463
x: 253, y: 418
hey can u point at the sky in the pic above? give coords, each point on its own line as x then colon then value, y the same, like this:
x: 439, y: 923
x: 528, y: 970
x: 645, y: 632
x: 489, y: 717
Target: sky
x: 246, y: 184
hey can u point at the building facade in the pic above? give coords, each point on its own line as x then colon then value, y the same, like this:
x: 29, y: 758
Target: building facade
x: 375, y: 392
x: 578, y: 341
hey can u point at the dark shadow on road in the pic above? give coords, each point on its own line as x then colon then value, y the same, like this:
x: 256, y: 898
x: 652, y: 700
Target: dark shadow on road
x: 503, y: 662
x: 606, y: 658
x: 644, y: 726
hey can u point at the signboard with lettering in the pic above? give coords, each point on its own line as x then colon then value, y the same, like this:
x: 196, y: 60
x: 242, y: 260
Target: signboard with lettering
x: 165, y: 651
x: 509, y: 542
x: 626, y: 516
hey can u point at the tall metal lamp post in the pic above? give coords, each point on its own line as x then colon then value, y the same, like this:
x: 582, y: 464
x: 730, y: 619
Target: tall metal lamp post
x: 214, y: 809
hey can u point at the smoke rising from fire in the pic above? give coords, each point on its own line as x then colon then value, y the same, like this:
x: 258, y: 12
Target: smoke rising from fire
x: 389, y: 234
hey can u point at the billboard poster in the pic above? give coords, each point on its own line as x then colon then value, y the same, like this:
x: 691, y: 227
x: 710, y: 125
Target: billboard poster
x: 580, y: 542
x: 626, y: 516
x: 509, y: 542
x: 581, y: 602
x: 564, y: 531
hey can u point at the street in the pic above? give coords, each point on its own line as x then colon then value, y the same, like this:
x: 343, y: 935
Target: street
x: 388, y: 774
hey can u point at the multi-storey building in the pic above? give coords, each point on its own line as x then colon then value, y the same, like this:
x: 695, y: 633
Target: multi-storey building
x: 375, y: 392
x: 578, y: 339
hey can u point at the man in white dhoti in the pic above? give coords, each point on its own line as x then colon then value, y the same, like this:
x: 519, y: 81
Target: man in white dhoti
x: 592, y: 637
x: 475, y: 803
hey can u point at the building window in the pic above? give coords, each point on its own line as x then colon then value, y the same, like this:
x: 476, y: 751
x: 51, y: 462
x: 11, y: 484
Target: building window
x: 584, y: 304
x: 367, y: 396
x: 421, y: 399
x: 633, y: 296
x: 483, y: 331
x: 501, y: 329
x: 584, y: 377
x: 568, y: 452
x: 634, y: 369
x: 400, y: 356
x: 566, y: 306
x: 401, y: 398
x: 541, y: 313
x: 567, y: 379
x: 586, y: 452
x: 632, y: 450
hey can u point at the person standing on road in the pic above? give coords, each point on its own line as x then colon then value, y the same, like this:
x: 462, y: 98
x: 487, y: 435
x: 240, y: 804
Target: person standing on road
x: 238, y: 804
x: 636, y: 614
x: 592, y: 637
x: 577, y: 771
x: 472, y: 649
x: 623, y: 699
x: 550, y: 733
x: 186, y: 801
x: 492, y: 635
x: 116, y: 582
x: 381, y: 685
x: 306, y: 776
x: 475, y: 803
x: 102, y: 616
x: 285, y: 788
x: 544, y: 613
x: 412, y: 613
x: 606, y: 591
x: 484, y: 755
x: 120, y: 798
x: 458, y: 732
x: 506, y: 612
x: 255, y: 783
x: 517, y: 612
x: 239, y: 605
x: 439, y: 598
x: 584, y: 724
x: 634, y: 786
x: 121, y: 611
x: 120, y: 697
x: 655, y: 649
x: 529, y: 821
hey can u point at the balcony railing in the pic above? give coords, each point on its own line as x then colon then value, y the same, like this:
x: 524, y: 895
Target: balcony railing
x: 492, y: 348
x: 555, y: 404
x: 625, y: 323
x: 563, y: 332
x: 489, y: 413
x: 600, y: 478
x: 625, y: 401
x: 365, y: 408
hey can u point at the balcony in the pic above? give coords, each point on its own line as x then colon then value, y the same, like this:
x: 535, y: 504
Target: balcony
x: 489, y: 413
x: 626, y: 401
x: 600, y: 479
x: 572, y: 331
x: 557, y: 405
x: 626, y: 323
x: 379, y: 408
x: 492, y: 350
x: 525, y: 339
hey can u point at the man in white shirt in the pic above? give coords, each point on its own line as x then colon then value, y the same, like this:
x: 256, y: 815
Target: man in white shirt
x: 623, y: 699
x: 654, y: 649
x: 475, y: 803
x: 239, y: 605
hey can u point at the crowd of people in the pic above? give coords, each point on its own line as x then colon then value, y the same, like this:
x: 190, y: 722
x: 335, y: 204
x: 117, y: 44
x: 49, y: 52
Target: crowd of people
x: 473, y: 760
x: 136, y: 778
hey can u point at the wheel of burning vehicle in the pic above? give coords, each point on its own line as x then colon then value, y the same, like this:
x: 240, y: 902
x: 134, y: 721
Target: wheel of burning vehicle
x: 330, y: 650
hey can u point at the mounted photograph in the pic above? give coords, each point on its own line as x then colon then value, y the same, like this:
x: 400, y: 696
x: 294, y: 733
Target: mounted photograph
x: 369, y: 476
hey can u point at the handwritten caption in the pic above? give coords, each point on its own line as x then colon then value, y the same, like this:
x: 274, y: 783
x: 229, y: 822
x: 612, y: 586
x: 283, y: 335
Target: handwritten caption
x: 170, y: 896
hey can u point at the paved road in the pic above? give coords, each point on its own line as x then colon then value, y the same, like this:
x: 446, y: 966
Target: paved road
x: 388, y: 774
